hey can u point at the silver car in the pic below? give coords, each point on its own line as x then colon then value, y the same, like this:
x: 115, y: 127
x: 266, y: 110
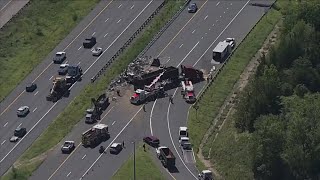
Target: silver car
x: 23, y: 111
x: 97, y: 51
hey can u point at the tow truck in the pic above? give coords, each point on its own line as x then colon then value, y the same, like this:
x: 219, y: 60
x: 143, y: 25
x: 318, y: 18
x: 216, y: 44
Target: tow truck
x: 61, y: 84
x: 99, y: 106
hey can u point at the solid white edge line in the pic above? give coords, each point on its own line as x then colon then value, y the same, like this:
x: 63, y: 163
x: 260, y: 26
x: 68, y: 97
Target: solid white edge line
x: 221, y: 32
x: 168, y: 123
x: 150, y: 120
x: 5, y: 5
x: 28, y: 133
x: 118, y: 37
x: 110, y: 143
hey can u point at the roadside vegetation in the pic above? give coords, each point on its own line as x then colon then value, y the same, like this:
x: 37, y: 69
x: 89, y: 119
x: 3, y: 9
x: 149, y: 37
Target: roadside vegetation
x: 230, y: 161
x: 75, y: 111
x: 29, y: 37
x: 146, y: 168
x: 274, y: 132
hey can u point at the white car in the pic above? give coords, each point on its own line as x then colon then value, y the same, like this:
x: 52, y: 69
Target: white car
x: 23, y: 111
x: 14, y: 139
x: 231, y: 42
x: 59, y: 57
x: 97, y: 51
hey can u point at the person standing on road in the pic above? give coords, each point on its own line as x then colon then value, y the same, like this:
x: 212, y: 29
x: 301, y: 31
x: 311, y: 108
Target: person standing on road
x: 118, y: 92
x: 123, y: 144
x: 171, y: 99
x: 144, y: 147
x: 144, y: 108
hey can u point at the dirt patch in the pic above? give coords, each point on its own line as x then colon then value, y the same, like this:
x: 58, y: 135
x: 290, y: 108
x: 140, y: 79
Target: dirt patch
x: 228, y: 108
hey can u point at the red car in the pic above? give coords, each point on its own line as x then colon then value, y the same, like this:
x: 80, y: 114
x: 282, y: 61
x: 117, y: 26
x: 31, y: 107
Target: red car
x: 152, y: 141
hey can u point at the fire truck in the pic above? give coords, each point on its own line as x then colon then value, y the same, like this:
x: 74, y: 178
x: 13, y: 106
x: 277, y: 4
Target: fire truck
x: 187, y: 91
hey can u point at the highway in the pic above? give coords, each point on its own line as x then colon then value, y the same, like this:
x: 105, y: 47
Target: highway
x: 4, y: 4
x: 188, y: 42
x: 113, y: 23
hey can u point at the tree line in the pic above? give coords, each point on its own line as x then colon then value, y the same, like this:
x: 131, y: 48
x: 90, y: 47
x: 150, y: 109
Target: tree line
x: 281, y: 105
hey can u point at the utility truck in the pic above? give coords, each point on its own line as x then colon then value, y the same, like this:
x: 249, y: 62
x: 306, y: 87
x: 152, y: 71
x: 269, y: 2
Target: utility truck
x: 222, y: 50
x: 95, y: 135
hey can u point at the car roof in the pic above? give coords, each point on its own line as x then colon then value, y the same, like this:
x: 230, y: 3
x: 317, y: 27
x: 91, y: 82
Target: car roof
x: 184, y: 138
x: 115, y: 145
x: 69, y: 141
x: 60, y: 52
x: 64, y: 65
x: 183, y: 128
x: 22, y: 107
x: 100, y: 126
x: 206, y: 171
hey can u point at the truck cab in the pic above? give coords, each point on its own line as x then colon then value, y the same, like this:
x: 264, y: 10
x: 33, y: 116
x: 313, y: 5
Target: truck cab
x: 205, y: 175
x: 184, y: 142
x: 138, y: 97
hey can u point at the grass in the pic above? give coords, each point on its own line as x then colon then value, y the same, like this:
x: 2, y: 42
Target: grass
x: 229, y: 151
x: 74, y: 112
x: 36, y: 31
x: 145, y: 168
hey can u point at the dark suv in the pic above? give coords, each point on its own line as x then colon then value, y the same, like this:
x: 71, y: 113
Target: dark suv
x: 89, y: 42
x: 31, y: 87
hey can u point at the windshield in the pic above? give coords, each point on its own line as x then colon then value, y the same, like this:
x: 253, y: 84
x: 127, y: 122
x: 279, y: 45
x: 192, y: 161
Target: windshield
x: 183, y: 133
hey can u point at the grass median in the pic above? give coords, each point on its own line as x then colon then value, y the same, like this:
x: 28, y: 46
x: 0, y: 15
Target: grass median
x: 146, y: 168
x: 216, y: 94
x: 29, y: 37
x: 75, y: 111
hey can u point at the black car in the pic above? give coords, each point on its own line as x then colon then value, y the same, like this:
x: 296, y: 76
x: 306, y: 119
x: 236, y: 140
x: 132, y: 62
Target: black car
x: 63, y: 70
x: 89, y: 42
x: 20, y: 132
x: 192, y: 8
x: 31, y: 87
x: 115, y: 148
x: 152, y: 141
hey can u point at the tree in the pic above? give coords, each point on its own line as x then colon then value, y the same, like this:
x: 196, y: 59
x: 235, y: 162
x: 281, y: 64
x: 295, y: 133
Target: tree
x: 268, y: 146
x: 302, y: 143
x: 260, y: 98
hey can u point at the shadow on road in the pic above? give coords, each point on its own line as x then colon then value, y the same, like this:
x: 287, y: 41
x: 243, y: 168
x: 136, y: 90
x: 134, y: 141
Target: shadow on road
x: 173, y: 169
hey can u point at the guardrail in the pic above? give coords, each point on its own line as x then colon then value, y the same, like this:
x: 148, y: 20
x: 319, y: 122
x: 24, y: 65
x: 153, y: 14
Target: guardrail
x: 121, y: 50
x: 211, y: 80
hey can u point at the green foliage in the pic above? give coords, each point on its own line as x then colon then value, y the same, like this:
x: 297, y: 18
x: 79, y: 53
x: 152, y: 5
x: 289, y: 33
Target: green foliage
x: 37, y: 30
x: 286, y: 145
x: 261, y: 97
x: 230, y: 152
x: 268, y: 144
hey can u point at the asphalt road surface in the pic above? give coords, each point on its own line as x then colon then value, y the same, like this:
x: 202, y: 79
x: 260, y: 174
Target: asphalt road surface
x: 212, y: 24
x: 8, y: 8
x: 113, y: 23
x: 188, y: 41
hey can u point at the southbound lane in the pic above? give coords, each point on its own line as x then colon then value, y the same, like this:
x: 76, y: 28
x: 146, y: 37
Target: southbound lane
x: 47, y: 111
